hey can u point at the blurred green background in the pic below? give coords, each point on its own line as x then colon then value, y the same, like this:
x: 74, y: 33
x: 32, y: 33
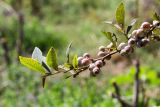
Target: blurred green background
x: 25, y: 24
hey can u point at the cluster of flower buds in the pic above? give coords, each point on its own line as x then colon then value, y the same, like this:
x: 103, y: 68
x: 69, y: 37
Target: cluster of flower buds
x: 139, y: 38
x: 84, y: 60
x: 103, y: 51
x: 95, y: 67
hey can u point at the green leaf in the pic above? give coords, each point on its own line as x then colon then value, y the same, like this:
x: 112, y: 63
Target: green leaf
x: 156, y: 16
x: 32, y: 64
x: 67, y: 65
x: 52, y: 58
x: 68, y: 51
x: 75, y: 61
x: 108, y: 35
x: 120, y: 15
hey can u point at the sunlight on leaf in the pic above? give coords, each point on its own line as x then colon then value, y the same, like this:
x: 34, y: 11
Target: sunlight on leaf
x: 75, y: 61
x: 32, y: 64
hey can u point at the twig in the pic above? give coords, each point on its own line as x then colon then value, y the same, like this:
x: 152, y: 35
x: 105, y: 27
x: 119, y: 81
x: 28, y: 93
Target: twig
x: 136, y: 85
x: 117, y: 95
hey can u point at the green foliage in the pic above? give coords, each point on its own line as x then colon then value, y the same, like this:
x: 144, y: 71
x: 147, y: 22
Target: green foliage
x: 32, y: 64
x: 52, y: 58
x: 75, y: 61
x: 120, y: 15
x: 156, y: 16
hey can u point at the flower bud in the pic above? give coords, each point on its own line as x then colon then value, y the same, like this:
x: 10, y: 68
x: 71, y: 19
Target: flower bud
x: 145, y: 26
x: 145, y: 41
x: 99, y: 63
x: 134, y: 33
x: 123, y: 52
x: 79, y: 61
x: 131, y: 41
x: 101, y: 53
x: 128, y: 48
x: 96, y: 70
x: 91, y: 66
x: 86, y: 55
x: 156, y: 23
x: 85, y: 61
x: 102, y: 48
x: 139, y: 44
x: 121, y: 46
x: 110, y: 45
x: 140, y: 34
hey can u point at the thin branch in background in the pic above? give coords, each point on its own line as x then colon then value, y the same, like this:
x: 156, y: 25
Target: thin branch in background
x: 3, y: 41
x: 21, y: 34
x: 117, y: 95
x: 136, y: 84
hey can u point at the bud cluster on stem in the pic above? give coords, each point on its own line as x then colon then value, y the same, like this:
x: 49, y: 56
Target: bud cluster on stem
x: 139, y: 38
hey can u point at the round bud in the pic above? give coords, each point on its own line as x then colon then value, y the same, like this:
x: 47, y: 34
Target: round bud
x: 140, y: 34
x: 96, y: 70
x: 123, y: 52
x: 131, y: 41
x: 101, y: 53
x: 110, y: 45
x: 145, y: 41
x: 79, y: 60
x: 86, y: 55
x: 121, y: 46
x: 91, y: 66
x: 156, y: 23
x: 128, y: 48
x: 134, y: 33
x: 85, y: 61
x: 139, y: 43
x: 99, y: 63
x: 102, y: 48
x: 145, y: 26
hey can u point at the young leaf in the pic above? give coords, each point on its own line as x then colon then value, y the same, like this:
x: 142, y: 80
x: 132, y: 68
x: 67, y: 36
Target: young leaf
x: 156, y: 16
x: 68, y: 51
x: 32, y: 64
x: 51, y: 58
x: 37, y: 54
x: 75, y: 61
x: 120, y: 15
x: 108, y: 35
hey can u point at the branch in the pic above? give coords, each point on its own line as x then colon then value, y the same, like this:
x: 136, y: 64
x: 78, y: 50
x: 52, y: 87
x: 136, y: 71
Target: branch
x: 136, y: 84
x: 117, y: 95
